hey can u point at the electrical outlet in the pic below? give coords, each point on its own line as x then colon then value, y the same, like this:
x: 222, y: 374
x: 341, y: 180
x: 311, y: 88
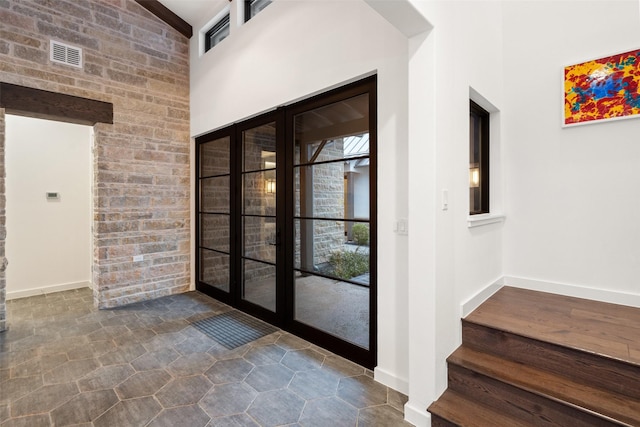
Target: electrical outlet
x: 138, y: 258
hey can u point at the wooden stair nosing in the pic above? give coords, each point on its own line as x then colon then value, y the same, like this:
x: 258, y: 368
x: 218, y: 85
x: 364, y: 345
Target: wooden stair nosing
x: 611, y: 341
x: 552, y: 386
x: 537, y: 300
x: 458, y: 410
x: 610, y: 374
x: 590, y: 325
x: 508, y: 399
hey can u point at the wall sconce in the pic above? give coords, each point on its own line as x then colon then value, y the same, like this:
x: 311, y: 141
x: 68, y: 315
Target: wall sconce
x: 270, y: 186
x: 474, y: 177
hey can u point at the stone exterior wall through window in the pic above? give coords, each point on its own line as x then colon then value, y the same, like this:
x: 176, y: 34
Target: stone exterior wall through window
x: 326, y: 196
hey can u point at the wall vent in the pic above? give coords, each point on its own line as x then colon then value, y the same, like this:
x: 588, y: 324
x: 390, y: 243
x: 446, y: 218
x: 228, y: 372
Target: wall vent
x: 65, y: 54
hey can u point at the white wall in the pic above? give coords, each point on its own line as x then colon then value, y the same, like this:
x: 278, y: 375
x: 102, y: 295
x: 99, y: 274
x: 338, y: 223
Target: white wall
x: 572, y: 193
x: 287, y: 53
x: 293, y: 49
x: 463, y: 50
x: 48, y: 242
x: 567, y: 193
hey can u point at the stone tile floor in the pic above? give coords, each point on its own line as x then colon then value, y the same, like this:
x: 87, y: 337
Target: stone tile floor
x: 63, y: 362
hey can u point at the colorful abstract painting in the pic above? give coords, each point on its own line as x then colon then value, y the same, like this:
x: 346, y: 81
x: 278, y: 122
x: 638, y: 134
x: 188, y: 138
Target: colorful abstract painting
x: 602, y: 89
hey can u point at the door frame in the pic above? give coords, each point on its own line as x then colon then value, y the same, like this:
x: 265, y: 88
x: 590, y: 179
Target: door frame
x: 234, y: 297
x: 225, y: 297
x: 285, y: 298
x: 365, y: 357
x: 277, y: 318
x: 40, y: 104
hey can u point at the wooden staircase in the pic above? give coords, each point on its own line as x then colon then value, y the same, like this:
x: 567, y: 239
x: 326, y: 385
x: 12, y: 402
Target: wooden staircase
x: 537, y: 359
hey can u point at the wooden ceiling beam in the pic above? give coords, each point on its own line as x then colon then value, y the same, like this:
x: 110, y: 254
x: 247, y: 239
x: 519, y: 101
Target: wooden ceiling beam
x: 41, y: 104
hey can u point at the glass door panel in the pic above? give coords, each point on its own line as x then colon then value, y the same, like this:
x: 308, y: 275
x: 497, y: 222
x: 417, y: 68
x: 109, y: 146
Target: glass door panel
x: 333, y: 132
x: 333, y: 256
x: 346, y: 195
x: 215, y: 157
x: 214, y: 194
x: 214, y: 232
x: 331, y: 219
x: 214, y: 269
x: 260, y: 193
x: 259, y: 232
x: 214, y: 214
x: 260, y: 239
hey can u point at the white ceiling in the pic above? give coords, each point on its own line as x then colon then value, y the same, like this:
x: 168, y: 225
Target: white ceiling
x: 191, y: 11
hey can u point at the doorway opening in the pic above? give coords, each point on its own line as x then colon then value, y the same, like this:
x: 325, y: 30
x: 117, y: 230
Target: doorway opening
x: 30, y: 102
x: 48, y: 203
x: 286, y: 226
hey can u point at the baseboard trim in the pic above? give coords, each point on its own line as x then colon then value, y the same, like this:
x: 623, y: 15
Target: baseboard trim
x: 417, y: 416
x: 390, y: 380
x: 603, y: 295
x: 47, y: 290
x: 474, y: 302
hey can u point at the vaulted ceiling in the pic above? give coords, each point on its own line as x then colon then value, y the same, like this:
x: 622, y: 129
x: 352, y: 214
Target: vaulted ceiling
x: 190, y: 10
x: 183, y: 14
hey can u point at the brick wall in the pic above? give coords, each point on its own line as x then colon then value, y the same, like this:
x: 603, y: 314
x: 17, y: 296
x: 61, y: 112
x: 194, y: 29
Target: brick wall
x: 141, y: 162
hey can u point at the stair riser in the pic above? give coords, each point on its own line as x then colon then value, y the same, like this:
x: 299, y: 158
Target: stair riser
x: 521, y: 404
x: 583, y: 367
x: 436, y: 421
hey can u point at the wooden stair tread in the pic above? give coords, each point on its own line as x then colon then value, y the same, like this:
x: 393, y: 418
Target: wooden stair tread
x: 605, y: 329
x: 459, y: 410
x: 608, y: 405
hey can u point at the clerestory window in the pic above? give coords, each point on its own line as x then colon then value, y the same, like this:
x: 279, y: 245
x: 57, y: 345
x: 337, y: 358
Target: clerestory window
x: 253, y: 7
x: 218, y: 32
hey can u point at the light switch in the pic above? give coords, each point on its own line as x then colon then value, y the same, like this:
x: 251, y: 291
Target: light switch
x: 445, y: 200
x: 403, y: 226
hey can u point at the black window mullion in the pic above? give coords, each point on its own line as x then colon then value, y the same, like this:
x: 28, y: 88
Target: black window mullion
x: 319, y: 218
x: 236, y: 213
x: 324, y: 162
x: 370, y: 357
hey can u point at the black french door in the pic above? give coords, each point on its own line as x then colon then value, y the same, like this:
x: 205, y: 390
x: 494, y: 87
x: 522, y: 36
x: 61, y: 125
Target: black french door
x: 240, y: 218
x: 286, y: 224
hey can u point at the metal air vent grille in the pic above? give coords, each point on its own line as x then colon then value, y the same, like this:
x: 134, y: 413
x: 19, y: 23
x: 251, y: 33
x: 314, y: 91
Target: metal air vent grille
x: 65, y: 54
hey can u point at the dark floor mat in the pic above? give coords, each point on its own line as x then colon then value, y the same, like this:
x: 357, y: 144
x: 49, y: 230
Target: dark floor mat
x: 233, y: 329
